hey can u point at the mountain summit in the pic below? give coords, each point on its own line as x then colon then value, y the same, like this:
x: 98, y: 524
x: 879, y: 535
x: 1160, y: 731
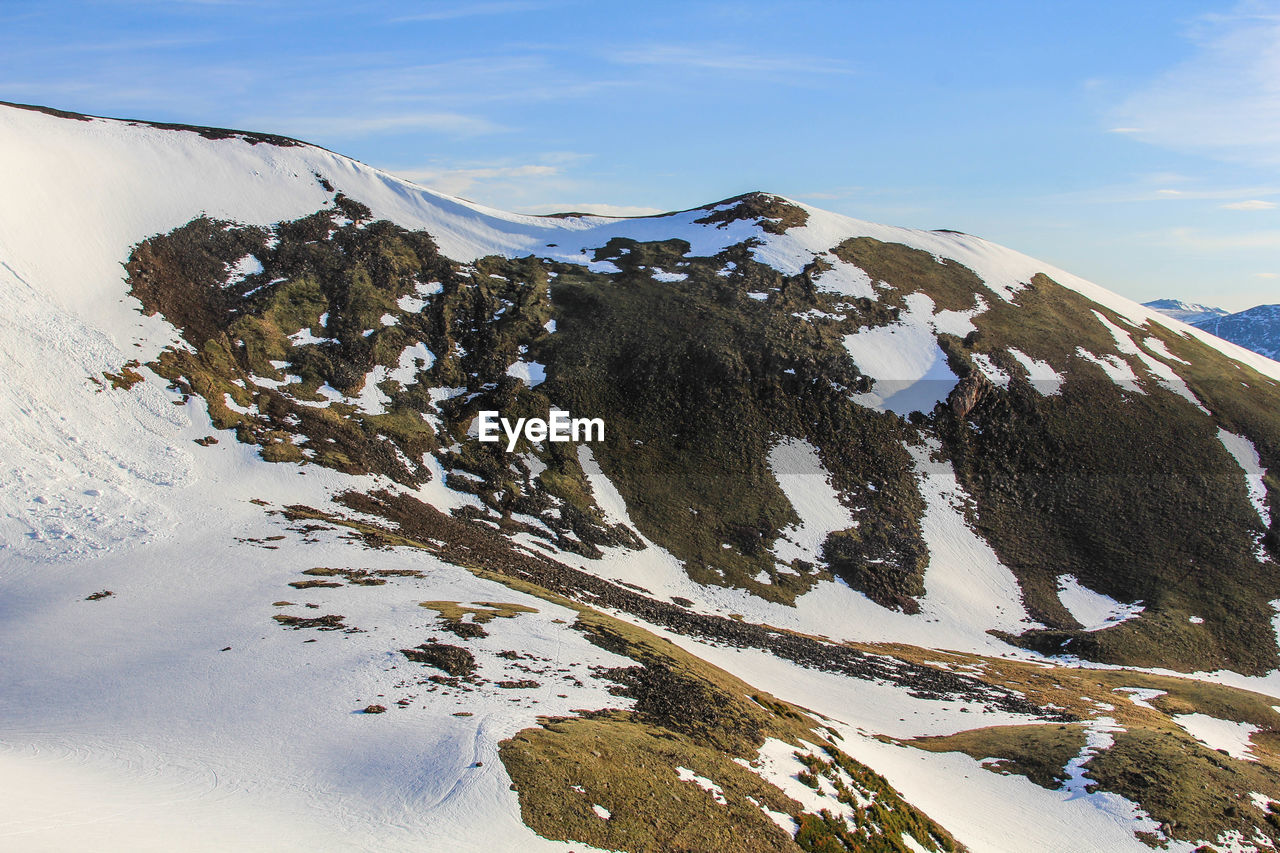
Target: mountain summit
x: 1256, y: 328
x: 889, y: 531
x: 1188, y: 312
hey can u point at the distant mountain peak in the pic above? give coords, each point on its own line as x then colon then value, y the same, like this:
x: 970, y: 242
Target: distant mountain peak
x: 1256, y: 328
x: 1187, y: 312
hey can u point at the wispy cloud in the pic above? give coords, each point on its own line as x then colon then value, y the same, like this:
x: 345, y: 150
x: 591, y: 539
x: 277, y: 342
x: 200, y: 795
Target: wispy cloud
x: 460, y: 181
x: 453, y: 124
x: 828, y: 195
x: 1225, y: 99
x: 1266, y: 275
x: 452, y: 12
x: 511, y: 184
x: 1198, y: 240
x: 1252, y: 204
x: 599, y: 209
x: 722, y: 58
x: 1150, y: 189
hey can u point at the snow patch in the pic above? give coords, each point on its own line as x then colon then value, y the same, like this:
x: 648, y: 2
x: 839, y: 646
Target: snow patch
x: 1093, y: 610
x: 1247, y: 457
x: 242, y: 269
x: 716, y: 792
x: 531, y: 373
x: 995, y: 375
x: 1040, y: 374
x: 1141, y: 696
x: 910, y: 370
x: 1115, y: 367
x: 807, y: 486
x: 1230, y: 737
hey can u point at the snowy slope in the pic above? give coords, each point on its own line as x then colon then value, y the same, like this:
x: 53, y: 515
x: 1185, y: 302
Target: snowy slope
x: 112, y: 183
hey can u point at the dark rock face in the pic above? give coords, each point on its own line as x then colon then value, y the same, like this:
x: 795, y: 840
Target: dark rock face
x: 968, y: 393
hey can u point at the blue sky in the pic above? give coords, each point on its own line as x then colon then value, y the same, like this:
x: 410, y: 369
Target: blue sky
x: 1134, y: 143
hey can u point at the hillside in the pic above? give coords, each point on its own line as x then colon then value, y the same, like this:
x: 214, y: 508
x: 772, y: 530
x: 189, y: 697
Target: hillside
x: 895, y: 540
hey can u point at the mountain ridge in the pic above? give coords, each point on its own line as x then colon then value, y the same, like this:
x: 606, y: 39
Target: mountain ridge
x: 1256, y: 328
x: 833, y: 449
x: 1188, y: 312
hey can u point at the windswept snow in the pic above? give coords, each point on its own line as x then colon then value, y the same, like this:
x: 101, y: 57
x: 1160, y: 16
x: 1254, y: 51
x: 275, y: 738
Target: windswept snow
x: 1093, y: 610
x: 85, y: 467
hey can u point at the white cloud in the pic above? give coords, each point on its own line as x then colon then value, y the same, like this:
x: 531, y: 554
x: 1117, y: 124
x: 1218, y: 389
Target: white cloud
x: 597, y: 209
x: 455, y: 124
x: 1266, y: 275
x: 1252, y: 204
x: 459, y: 181
x: 719, y: 58
x: 831, y: 194
x: 1198, y: 240
x: 1225, y: 99
x: 470, y: 10
x: 1149, y: 190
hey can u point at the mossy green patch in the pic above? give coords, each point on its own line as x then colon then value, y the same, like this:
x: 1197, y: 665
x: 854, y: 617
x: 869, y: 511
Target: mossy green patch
x: 1197, y: 793
x: 1040, y: 753
x: 689, y: 714
x: 481, y: 612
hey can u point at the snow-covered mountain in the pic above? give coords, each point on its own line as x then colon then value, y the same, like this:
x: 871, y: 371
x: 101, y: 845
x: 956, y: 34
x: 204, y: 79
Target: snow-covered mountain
x: 1256, y: 328
x: 1188, y: 312
x: 895, y: 540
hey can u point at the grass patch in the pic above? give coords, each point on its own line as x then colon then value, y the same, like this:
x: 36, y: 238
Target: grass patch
x: 1040, y: 753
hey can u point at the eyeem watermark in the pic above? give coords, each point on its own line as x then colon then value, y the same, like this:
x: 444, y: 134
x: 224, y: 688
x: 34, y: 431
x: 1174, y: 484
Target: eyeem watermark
x: 561, y: 427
